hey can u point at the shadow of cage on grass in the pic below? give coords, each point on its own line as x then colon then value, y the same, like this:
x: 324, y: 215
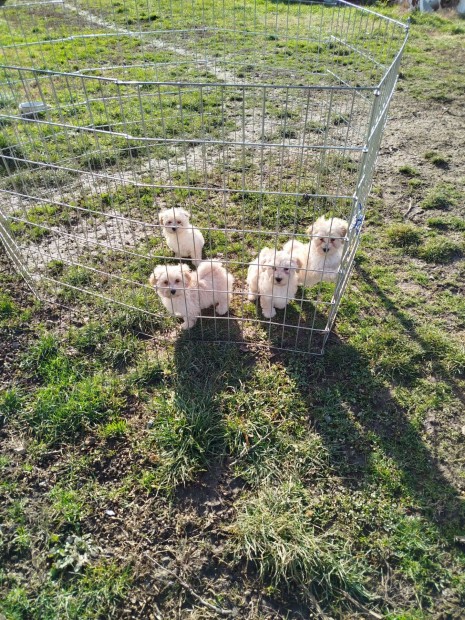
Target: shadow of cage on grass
x: 362, y: 402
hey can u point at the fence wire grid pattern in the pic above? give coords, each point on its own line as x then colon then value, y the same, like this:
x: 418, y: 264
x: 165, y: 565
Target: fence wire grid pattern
x: 255, y: 117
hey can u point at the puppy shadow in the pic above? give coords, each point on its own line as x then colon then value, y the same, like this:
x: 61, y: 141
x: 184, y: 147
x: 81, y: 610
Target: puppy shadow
x: 204, y: 371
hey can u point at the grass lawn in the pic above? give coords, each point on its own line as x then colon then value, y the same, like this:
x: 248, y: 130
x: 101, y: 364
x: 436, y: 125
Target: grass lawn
x: 199, y: 480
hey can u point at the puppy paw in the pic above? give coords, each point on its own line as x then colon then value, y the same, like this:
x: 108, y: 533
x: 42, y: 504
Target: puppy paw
x: 269, y: 314
x: 187, y: 325
x: 222, y: 309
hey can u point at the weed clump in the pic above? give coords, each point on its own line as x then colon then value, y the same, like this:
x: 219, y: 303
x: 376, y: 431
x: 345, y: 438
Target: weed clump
x: 404, y: 235
x: 452, y: 223
x: 440, y: 250
x: 409, y: 171
x: 442, y: 197
x: 437, y: 159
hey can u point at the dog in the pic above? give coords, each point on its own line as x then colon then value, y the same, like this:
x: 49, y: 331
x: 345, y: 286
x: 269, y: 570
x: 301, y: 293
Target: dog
x: 322, y: 256
x: 185, y: 293
x: 273, y: 277
x: 185, y: 240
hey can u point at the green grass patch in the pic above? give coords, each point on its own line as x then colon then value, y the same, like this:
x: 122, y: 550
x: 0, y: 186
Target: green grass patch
x: 274, y: 532
x: 440, y: 250
x: 96, y: 593
x: 442, y: 197
x: 7, y: 306
x: 447, y: 223
x: 404, y: 235
x: 62, y: 410
x: 409, y: 171
x: 188, y: 436
x: 437, y: 159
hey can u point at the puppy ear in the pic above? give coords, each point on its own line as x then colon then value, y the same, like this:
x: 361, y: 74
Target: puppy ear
x: 296, y: 262
x: 342, y: 229
x: 313, y: 229
x: 161, y: 216
x: 186, y: 274
x: 265, y: 253
x: 158, y: 272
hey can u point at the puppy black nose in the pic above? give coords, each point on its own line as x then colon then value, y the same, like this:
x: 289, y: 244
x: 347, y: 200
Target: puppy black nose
x: 173, y: 291
x: 278, y: 279
x: 325, y: 249
x: 173, y: 228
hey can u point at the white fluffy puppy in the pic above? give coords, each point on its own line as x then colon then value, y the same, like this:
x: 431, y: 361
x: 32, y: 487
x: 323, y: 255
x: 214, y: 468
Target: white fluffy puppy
x: 272, y: 275
x: 322, y: 256
x: 181, y: 237
x: 185, y: 293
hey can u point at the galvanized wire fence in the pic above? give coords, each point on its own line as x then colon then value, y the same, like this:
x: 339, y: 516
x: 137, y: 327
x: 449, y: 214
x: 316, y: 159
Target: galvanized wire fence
x: 256, y: 117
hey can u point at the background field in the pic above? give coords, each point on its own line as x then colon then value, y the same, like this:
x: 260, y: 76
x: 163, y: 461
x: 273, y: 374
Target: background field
x: 135, y: 477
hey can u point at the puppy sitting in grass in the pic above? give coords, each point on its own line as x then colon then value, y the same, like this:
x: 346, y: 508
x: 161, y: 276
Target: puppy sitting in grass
x: 185, y: 293
x: 322, y: 256
x: 185, y: 240
x: 273, y: 276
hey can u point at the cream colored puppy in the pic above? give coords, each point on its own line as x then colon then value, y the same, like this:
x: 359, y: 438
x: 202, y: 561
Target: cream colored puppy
x: 185, y: 293
x: 322, y: 256
x: 185, y: 240
x: 272, y: 276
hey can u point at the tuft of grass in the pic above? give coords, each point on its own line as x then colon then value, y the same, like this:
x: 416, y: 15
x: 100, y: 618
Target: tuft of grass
x: 41, y: 358
x: 7, y: 306
x: 10, y: 404
x: 121, y: 350
x: 403, y: 235
x: 273, y: 531
x: 409, y: 171
x: 116, y: 429
x: 117, y: 349
x: 437, y: 159
x: 61, y: 411
x: 440, y: 250
x: 450, y: 223
x: 188, y: 435
x: 68, y: 504
x: 446, y: 353
x: 444, y: 196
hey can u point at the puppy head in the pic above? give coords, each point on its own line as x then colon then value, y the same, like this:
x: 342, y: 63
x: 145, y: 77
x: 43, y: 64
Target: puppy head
x: 328, y: 235
x: 171, y: 280
x: 173, y: 219
x: 278, y: 266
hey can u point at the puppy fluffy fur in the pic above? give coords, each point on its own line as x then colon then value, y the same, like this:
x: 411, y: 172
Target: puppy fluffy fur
x: 185, y: 293
x: 272, y: 276
x: 322, y: 256
x: 181, y: 237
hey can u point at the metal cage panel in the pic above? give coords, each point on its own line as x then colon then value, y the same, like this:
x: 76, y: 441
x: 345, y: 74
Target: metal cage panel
x: 255, y: 116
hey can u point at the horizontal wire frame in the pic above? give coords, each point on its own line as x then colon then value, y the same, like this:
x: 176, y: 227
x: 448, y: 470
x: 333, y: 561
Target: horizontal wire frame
x: 257, y: 118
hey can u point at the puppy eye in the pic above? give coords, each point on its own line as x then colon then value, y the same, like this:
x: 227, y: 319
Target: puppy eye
x: 165, y: 282
x: 169, y: 222
x: 333, y: 239
x: 286, y: 269
x: 177, y: 281
x: 178, y: 222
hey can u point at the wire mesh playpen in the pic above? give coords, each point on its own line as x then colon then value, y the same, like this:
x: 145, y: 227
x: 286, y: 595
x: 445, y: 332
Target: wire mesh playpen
x: 257, y: 117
